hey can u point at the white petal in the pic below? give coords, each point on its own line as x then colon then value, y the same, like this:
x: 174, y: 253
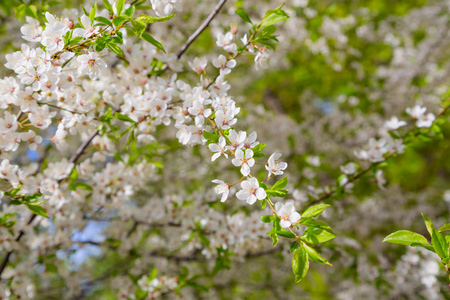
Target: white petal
x: 243, y: 195
x: 214, y: 147
x: 215, y: 156
x: 245, y: 169
x: 236, y: 162
x: 260, y: 193
x: 285, y: 224
x: 251, y: 199
x: 294, y: 217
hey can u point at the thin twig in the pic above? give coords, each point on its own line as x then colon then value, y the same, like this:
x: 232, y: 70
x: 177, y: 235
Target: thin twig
x: 202, y: 27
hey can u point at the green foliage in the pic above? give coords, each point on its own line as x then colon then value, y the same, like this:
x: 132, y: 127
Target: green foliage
x: 314, y: 211
x: 300, y: 263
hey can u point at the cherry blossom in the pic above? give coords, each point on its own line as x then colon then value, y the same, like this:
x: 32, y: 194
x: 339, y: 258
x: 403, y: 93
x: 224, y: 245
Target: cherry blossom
x: 245, y: 160
x: 222, y: 188
x: 220, y: 148
x: 287, y: 214
x: 274, y: 165
x: 251, y: 191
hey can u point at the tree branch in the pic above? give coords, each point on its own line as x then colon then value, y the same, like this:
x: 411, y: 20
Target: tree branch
x: 202, y: 27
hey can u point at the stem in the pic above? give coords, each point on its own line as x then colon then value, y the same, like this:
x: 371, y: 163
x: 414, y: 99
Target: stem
x: 202, y: 27
x: 237, y: 181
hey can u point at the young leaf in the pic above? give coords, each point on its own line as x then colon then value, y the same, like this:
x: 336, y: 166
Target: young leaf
x: 103, y: 20
x: 275, y: 227
x: 138, y: 27
x: 210, y: 137
x: 244, y: 16
x: 150, y: 19
x: 82, y: 185
x: 282, y: 233
x: 148, y: 38
x: 428, y: 224
x: 274, y: 16
x: 124, y: 118
x: 266, y: 219
x: 318, y: 235
x: 93, y: 12
x: 116, y: 49
x: 84, y: 11
x: 314, y: 211
x: 117, y: 21
x: 130, y: 11
x: 406, y: 237
x: 446, y: 227
x: 439, y: 243
x: 300, y: 264
x: 280, y: 184
x: 315, y: 256
x: 293, y: 247
x: 258, y: 148
x: 119, y: 6
x: 281, y: 193
x: 37, y: 210
x: 108, y: 6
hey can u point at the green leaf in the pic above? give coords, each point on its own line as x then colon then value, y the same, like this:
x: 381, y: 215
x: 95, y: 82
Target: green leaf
x: 244, y: 16
x: 37, y: 210
x: 204, y: 240
x: 211, y: 137
x: 73, y: 176
x: 266, y: 219
x: 406, y: 237
x: 275, y: 227
x: 93, y: 12
x: 124, y: 118
x: 138, y: 28
x: 446, y: 227
x: 293, y: 246
x: 82, y: 185
x: 318, y: 235
x: 153, y: 274
x: 148, y: 38
x: 429, y: 248
x: 274, y: 16
x: 150, y: 19
x: 117, y: 21
x: 130, y: 138
x: 130, y: 11
x: 314, y: 211
x: 300, y: 264
x: 258, y: 148
x: 315, y: 256
x: 108, y: 6
x: 263, y: 203
x: 119, y: 6
x: 439, y: 243
x: 103, y: 20
x: 280, y: 184
x: 282, y: 233
x: 428, y: 224
x: 116, y: 49
x: 84, y: 11
x: 281, y: 193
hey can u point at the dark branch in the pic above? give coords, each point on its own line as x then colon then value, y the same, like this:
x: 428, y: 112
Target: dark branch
x: 202, y: 27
